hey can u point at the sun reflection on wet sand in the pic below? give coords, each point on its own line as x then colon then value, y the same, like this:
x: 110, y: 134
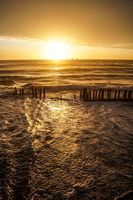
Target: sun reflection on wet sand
x: 77, y: 146
x: 50, y: 124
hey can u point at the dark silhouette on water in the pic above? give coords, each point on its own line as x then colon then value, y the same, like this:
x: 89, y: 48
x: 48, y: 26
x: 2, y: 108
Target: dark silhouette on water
x: 105, y: 95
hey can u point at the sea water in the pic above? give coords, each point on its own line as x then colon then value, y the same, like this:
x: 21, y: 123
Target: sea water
x: 65, y: 148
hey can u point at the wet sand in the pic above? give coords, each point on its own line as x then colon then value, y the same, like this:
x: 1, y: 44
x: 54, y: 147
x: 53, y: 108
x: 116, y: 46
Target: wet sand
x: 65, y: 149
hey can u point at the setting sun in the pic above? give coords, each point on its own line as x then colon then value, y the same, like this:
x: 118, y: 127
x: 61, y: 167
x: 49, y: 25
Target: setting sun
x: 56, y: 50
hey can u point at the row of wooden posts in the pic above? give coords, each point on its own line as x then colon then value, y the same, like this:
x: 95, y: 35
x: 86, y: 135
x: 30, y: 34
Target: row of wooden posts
x: 34, y: 92
x: 87, y: 94
x: 105, y: 94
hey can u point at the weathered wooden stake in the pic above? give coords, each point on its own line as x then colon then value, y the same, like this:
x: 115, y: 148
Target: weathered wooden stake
x: 23, y: 91
x: 129, y: 94
x: 96, y: 94
x: 80, y: 94
x: 74, y: 96
x: 40, y: 92
x: 115, y: 93
x: 89, y: 95
x: 99, y: 96
x: 44, y: 93
x: 15, y: 90
x: 20, y: 91
x: 86, y: 96
x: 84, y: 93
x: 119, y: 92
x: 102, y: 93
x: 110, y: 94
x: 35, y: 93
x: 125, y: 94
x: 93, y: 94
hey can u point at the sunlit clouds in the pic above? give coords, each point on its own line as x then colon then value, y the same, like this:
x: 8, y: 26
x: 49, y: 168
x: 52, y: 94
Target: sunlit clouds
x: 30, y: 48
x: 87, y: 29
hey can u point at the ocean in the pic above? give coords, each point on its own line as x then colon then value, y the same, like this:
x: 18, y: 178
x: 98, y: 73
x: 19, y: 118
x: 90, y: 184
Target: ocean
x: 61, y: 147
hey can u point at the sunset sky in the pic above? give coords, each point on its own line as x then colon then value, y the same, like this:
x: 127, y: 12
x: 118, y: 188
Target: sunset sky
x: 88, y: 29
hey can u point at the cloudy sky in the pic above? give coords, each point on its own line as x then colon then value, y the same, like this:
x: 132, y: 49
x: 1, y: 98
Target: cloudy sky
x: 90, y: 28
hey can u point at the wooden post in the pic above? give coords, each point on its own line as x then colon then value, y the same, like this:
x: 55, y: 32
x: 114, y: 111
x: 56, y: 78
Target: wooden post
x: 99, y: 96
x: 124, y: 94
x: 115, y: 93
x: 99, y: 93
x: 86, y: 96
x: 74, y: 96
x: 110, y: 93
x: 89, y: 95
x: 44, y: 93
x: 40, y: 92
x: 84, y: 93
x: 35, y: 93
x: 119, y: 92
x: 20, y: 91
x: 15, y: 90
x: 96, y: 94
x: 23, y: 91
x: 80, y: 94
x: 93, y: 94
x: 102, y: 93
x: 129, y: 94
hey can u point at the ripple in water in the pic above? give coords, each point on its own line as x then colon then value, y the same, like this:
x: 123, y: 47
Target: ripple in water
x: 65, y: 149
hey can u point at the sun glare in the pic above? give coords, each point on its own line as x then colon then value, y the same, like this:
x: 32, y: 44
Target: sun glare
x: 56, y: 50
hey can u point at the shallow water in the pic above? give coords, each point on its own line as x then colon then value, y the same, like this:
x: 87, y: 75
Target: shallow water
x: 64, y: 149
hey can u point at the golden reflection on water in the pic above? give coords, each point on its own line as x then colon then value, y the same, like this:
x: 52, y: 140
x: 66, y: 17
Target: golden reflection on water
x: 51, y: 124
x: 56, y: 68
